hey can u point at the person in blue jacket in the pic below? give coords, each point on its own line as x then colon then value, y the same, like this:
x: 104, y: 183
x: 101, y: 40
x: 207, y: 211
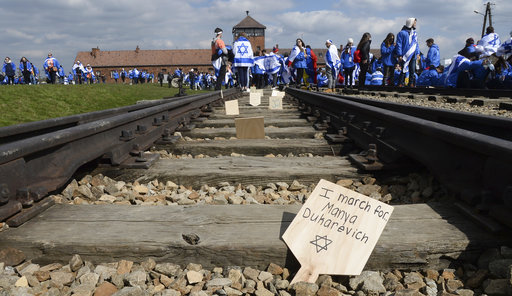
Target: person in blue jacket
x: 9, y: 69
x: 347, y: 62
x: 115, y: 75
x: 35, y: 76
x: 430, y: 76
x: 322, y: 79
x: 460, y: 64
x: 433, y: 55
x: 71, y: 78
x: 407, y: 50
x: 123, y: 75
x: 387, y: 49
x: 297, y: 58
x: 377, y: 77
x: 62, y: 74
x: 51, y: 68
x: 26, y: 70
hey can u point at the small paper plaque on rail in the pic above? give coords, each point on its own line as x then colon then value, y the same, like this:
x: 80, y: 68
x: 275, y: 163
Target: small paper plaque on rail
x: 232, y: 107
x: 335, y: 231
x: 255, y: 98
x: 275, y: 103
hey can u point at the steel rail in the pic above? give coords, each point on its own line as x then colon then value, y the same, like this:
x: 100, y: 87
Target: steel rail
x: 468, y: 162
x: 32, y: 167
x: 464, y: 92
x: 500, y: 127
x: 26, y: 130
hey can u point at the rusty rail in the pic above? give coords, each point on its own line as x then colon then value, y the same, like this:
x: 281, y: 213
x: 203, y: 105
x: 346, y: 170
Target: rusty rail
x: 41, y: 158
x: 470, y: 154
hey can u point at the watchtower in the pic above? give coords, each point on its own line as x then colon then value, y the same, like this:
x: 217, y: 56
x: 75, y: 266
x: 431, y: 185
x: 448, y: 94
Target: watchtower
x: 254, y: 30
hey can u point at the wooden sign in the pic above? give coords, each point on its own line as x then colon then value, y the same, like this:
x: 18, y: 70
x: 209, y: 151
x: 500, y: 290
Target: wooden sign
x: 335, y: 231
x: 275, y: 103
x: 255, y: 98
x: 232, y: 107
x: 250, y: 128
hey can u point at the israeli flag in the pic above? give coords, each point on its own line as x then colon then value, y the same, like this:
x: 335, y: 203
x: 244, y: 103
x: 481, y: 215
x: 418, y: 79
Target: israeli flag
x: 272, y: 64
x: 333, y: 60
x: 243, y: 53
x: 505, y: 49
x: 490, y: 42
x: 295, y: 52
x: 457, y: 61
x: 413, y: 43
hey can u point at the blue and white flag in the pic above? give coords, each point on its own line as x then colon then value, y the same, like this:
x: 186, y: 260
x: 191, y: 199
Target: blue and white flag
x: 243, y: 53
x: 457, y: 61
x: 332, y: 60
x: 490, y: 43
x: 272, y: 64
x: 295, y: 52
x: 505, y: 49
x: 260, y: 62
x: 411, y: 53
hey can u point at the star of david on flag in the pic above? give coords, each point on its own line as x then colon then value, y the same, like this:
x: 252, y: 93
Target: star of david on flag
x: 242, y: 49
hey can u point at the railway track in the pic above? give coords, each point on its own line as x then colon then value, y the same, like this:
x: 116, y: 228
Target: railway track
x: 38, y: 158
x: 238, y: 196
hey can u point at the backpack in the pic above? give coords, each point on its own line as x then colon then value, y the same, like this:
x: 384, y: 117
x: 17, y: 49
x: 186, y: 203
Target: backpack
x: 357, y: 56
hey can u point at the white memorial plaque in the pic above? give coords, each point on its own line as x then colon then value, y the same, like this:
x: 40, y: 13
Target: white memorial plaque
x: 275, y: 103
x: 335, y: 231
x: 232, y: 107
x: 255, y: 99
x: 276, y: 93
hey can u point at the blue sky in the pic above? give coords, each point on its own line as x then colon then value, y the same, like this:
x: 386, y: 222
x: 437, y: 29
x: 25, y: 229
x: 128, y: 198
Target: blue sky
x: 32, y: 28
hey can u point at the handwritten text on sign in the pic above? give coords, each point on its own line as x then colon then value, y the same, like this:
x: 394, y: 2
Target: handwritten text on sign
x: 336, y: 230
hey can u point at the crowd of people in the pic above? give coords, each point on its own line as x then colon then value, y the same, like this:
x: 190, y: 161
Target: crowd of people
x: 484, y: 64
x: 29, y: 74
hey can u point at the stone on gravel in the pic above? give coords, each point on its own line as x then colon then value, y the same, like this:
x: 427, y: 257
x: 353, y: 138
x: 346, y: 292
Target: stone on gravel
x: 304, y: 289
x: 11, y: 256
x: 497, y: 287
x: 62, y: 278
x: 328, y: 291
x: 168, y: 269
x: 21, y: 282
x: 500, y: 268
x: 124, y: 266
x: 251, y: 273
x: 275, y: 269
x: 194, y: 277
x: 370, y: 281
x: 465, y: 292
x: 265, y: 276
x: 130, y: 291
x: 220, y: 282
x: 75, y: 263
x: 137, y: 278
x: 105, y: 289
x: 488, y: 256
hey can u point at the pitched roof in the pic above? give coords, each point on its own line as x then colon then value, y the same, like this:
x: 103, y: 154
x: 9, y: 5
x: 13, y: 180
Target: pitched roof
x: 249, y: 22
x: 118, y: 58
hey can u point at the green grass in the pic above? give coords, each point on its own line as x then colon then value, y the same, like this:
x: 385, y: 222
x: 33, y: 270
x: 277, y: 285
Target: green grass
x: 25, y: 103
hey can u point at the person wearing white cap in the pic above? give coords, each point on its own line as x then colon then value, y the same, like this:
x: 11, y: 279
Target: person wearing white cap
x: 407, y: 50
x: 347, y: 62
x: 78, y: 71
x: 332, y: 62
